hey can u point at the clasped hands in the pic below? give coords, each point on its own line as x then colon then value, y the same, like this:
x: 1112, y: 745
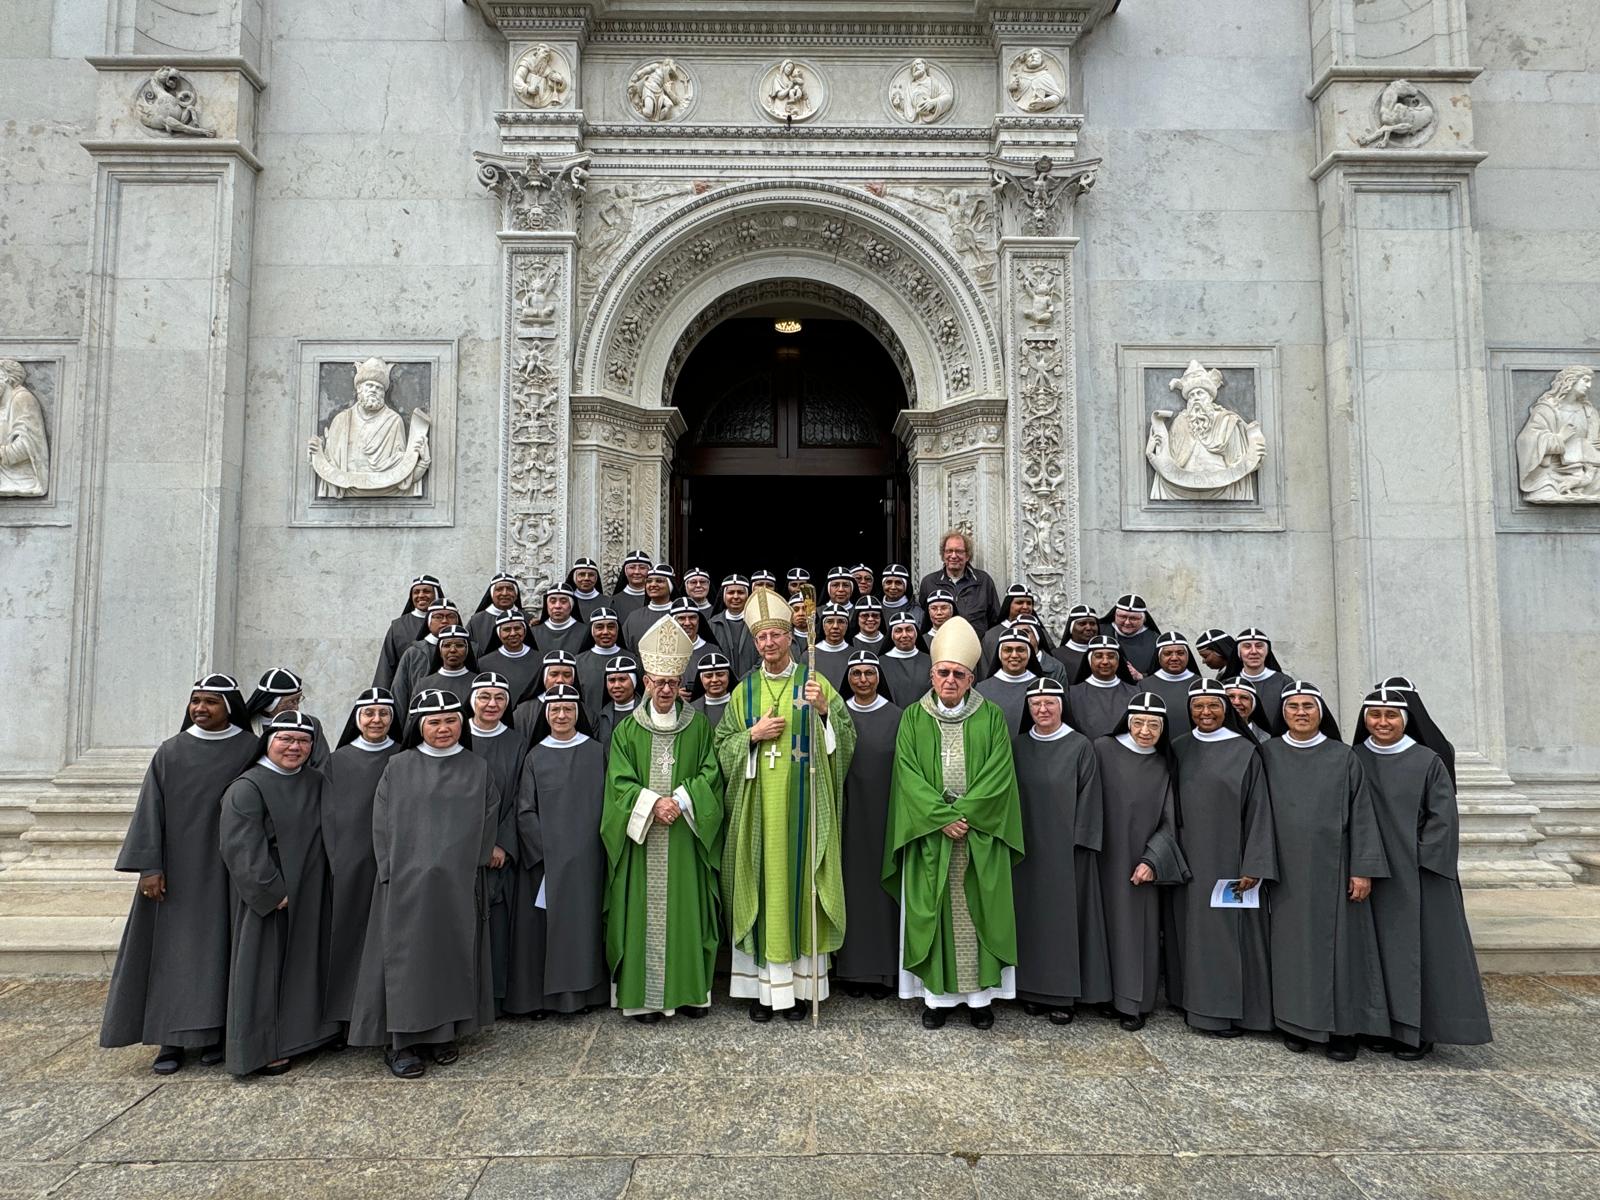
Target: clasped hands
x: 666, y: 810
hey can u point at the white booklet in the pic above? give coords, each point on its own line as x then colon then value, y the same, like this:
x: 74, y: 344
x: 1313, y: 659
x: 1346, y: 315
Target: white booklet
x: 1226, y: 894
x: 539, y: 900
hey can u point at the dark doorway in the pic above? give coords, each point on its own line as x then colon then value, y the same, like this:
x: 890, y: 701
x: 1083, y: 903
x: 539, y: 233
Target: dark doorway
x: 790, y: 457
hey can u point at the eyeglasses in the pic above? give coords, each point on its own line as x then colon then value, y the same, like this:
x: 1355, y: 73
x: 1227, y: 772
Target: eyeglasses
x: 950, y: 673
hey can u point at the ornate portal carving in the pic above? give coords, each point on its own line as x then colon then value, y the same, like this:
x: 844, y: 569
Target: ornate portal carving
x: 534, y: 464
x: 542, y: 78
x: 1404, y: 117
x: 1040, y: 197
x: 610, y: 213
x: 1036, y: 82
x: 24, y: 446
x: 167, y: 104
x: 964, y: 218
x: 1206, y: 451
x: 536, y: 193
x: 661, y: 90
x: 792, y: 91
x: 1558, y: 449
x: 367, y: 450
x: 920, y: 93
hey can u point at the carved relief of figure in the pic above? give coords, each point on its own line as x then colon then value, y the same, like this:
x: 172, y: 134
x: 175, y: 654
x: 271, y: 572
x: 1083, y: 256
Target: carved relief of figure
x: 1404, y: 113
x: 167, y: 104
x: 1208, y: 452
x: 789, y: 95
x: 1558, y: 450
x: 24, y: 450
x: 660, y: 90
x: 541, y: 80
x: 367, y: 451
x: 1040, y: 283
x: 1033, y: 84
x: 918, y: 95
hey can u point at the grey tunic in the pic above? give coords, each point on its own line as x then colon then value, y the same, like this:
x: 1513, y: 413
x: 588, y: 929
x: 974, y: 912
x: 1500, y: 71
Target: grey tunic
x: 353, y: 777
x: 832, y: 665
x: 1061, y: 922
x: 1326, y: 976
x: 459, y: 684
x: 1094, y: 711
x: 625, y: 603
x: 733, y: 635
x: 425, y: 969
x: 519, y: 671
x: 1430, y: 971
x: 415, y: 662
x: 271, y: 840
x: 1138, y: 649
x: 546, y: 638
x: 907, y: 678
x: 1269, y: 699
x: 1176, y: 693
x: 170, y: 984
x: 587, y: 605
x: 1139, y: 827
x: 610, y: 718
x: 637, y: 623
x: 558, y: 962
x: 709, y: 709
x: 870, y: 953
x: 592, y: 679
x: 1069, y: 659
x: 1011, y: 696
x: 480, y: 629
x: 503, y: 752
x: 1221, y: 976
x: 403, y: 630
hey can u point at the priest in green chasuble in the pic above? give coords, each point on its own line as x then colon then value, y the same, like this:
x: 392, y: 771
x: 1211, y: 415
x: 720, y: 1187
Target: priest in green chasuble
x: 954, y: 833
x: 767, y: 744
x: 662, y: 829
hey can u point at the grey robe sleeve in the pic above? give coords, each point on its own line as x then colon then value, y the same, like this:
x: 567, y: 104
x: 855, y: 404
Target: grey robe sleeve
x: 144, y: 848
x: 381, y: 835
x: 1439, y: 828
x: 1260, y: 856
x: 506, y: 818
x: 530, y: 831
x: 1089, y: 825
x: 1162, y: 854
x: 1367, y: 857
x: 246, y: 831
x: 491, y: 820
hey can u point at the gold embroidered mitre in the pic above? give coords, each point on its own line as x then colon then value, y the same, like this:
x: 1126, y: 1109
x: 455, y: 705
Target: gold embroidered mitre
x: 767, y: 610
x: 665, y: 648
x: 957, y: 641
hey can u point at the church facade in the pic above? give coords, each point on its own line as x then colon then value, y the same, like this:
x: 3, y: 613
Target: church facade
x: 1279, y: 314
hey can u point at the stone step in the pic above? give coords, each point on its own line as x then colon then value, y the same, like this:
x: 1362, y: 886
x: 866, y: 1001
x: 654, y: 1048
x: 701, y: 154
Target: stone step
x: 1536, y: 930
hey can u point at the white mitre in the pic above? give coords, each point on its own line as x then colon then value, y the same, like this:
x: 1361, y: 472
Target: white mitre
x: 665, y: 648
x: 767, y: 610
x: 957, y: 641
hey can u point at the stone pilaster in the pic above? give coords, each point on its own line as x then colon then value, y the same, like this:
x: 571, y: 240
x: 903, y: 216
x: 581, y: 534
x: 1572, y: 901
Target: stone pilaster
x: 621, y: 478
x: 958, y: 462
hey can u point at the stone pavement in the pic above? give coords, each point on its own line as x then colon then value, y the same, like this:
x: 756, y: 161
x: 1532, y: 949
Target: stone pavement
x: 869, y: 1106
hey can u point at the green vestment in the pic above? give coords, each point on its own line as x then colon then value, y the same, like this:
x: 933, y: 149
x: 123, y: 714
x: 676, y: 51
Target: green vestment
x: 959, y: 925
x: 662, y: 920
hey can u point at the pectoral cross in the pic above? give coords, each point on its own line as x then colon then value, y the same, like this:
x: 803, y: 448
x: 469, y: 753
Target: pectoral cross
x: 772, y: 756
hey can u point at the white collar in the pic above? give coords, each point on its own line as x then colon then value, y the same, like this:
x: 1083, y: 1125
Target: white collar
x: 1266, y: 672
x: 495, y: 611
x: 589, y: 595
x: 1008, y: 677
x: 652, y: 606
x: 430, y: 639
x: 717, y: 701
x: 219, y: 735
x: 629, y: 590
x: 1216, y: 735
x: 832, y: 647
x: 949, y: 712
x: 698, y: 643
x: 729, y: 614
x: 1061, y: 731
x: 266, y: 762
x: 577, y: 739
x: 661, y: 720
x: 783, y: 674
x: 1096, y: 681
x: 899, y: 653
x: 900, y: 603
x: 605, y: 651
x: 702, y: 605
x: 1308, y: 743
x: 452, y: 674
x: 1161, y: 673
x: 874, y: 638
x: 514, y: 653
x: 372, y: 747
x: 480, y: 731
x: 562, y: 626
x: 625, y: 708
x: 418, y: 612
x: 877, y: 703
x: 431, y: 752
x: 1080, y: 647
x: 1127, y: 740
x: 1405, y: 743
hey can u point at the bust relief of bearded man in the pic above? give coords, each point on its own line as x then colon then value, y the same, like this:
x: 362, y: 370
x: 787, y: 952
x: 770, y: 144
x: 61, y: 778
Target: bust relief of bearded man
x: 1206, y: 451
x: 367, y: 451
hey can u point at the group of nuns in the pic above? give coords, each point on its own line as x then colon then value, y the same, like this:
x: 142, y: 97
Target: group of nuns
x: 1212, y: 834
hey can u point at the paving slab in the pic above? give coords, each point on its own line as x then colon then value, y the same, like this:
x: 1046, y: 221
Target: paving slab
x: 1478, y: 1176
x: 1013, y: 1177
x: 306, y: 1180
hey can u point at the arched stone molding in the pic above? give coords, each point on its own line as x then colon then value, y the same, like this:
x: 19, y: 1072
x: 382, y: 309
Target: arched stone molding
x: 751, y: 232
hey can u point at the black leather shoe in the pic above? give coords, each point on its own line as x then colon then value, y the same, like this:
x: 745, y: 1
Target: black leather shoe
x: 759, y: 1012
x: 934, y: 1018
x: 1034, y: 1010
x: 1232, y: 1031
x: 1132, y: 1024
x: 1342, y: 1049
x: 800, y: 1011
x: 1061, y: 1016
x: 1297, y: 1044
x: 169, y: 1061
x: 649, y: 1018
x: 695, y: 1014
x: 212, y: 1055
x: 983, y: 1018
x: 1413, y: 1053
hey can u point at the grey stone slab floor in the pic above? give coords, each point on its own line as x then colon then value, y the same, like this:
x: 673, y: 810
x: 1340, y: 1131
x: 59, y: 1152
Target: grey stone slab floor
x: 871, y: 1105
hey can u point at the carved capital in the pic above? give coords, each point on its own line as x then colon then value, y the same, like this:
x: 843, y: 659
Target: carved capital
x: 1037, y: 201
x: 536, y: 194
x: 939, y: 433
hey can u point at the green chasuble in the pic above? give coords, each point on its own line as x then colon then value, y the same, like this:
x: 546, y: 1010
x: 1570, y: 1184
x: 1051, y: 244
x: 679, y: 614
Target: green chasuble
x: 766, y: 889
x: 960, y: 927
x: 662, y: 920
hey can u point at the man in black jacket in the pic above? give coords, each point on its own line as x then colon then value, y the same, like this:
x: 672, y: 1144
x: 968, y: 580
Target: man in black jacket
x: 974, y: 590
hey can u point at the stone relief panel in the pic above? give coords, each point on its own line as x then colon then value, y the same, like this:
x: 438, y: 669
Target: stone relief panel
x: 966, y: 219
x: 1403, y: 117
x: 1205, y: 450
x: 1547, y: 446
x: 24, y: 432
x: 611, y: 215
x: 920, y: 93
x: 1213, y: 461
x: 961, y: 500
x: 791, y: 90
x: 1036, y: 82
x: 661, y: 90
x: 168, y: 105
x: 616, y: 517
x: 542, y: 77
x: 376, y: 424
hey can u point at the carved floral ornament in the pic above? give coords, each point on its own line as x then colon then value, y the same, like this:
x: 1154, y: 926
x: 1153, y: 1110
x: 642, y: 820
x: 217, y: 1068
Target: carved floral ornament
x: 1038, y: 198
